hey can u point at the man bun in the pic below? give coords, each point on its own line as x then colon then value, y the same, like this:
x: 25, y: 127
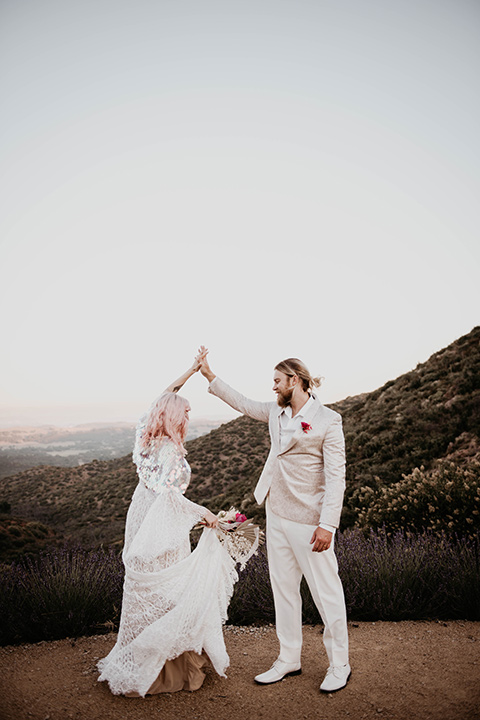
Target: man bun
x: 294, y: 366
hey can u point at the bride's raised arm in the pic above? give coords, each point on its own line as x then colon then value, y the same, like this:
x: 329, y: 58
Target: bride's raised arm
x: 176, y: 385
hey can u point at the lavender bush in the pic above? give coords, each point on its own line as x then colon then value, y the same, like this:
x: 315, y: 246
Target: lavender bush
x: 400, y: 576
x: 406, y: 576
x: 252, y: 600
x: 62, y: 593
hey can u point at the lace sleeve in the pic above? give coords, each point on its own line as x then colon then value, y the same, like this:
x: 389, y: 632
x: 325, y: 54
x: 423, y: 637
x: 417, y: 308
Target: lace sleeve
x: 137, y: 451
x: 162, y: 467
x: 173, y: 469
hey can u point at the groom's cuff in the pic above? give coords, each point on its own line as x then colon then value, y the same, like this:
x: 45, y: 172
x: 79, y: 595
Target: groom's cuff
x: 330, y: 528
x: 212, y: 384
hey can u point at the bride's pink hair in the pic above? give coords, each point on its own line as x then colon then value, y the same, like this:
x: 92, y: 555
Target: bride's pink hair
x: 167, y: 418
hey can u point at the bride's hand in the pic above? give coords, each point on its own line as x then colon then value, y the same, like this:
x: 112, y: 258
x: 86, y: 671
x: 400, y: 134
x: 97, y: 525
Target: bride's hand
x: 210, y: 520
x: 199, y: 358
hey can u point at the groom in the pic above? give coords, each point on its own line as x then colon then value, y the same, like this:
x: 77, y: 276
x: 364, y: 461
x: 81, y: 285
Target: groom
x: 303, y: 482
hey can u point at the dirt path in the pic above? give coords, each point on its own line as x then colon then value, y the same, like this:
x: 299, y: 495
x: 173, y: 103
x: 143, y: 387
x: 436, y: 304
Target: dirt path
x: 407, y: 670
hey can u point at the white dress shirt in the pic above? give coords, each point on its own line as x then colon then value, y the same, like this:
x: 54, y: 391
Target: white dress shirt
x: 288, y: 427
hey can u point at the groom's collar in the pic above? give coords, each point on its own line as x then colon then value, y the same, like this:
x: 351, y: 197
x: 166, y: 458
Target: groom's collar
x: 303, y: 410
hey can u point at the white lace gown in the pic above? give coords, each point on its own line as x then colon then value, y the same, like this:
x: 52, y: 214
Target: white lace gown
x: 174, y: 600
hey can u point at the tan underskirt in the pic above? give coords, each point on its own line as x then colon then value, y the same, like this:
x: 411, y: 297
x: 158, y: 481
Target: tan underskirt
x: 183, y: 673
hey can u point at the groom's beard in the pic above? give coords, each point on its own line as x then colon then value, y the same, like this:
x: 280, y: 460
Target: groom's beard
x: 284, y: 399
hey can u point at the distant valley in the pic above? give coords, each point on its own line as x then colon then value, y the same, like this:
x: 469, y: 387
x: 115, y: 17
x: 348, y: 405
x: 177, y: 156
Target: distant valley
x: 22, y: 448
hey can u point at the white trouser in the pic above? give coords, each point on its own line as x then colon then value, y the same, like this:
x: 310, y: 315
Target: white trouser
x: 289, y: 557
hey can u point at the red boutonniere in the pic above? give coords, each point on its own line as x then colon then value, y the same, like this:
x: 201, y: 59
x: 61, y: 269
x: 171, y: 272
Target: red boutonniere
x: 306, y: 427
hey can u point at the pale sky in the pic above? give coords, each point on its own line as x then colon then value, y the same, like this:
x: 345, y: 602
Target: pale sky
x: 269, y: 178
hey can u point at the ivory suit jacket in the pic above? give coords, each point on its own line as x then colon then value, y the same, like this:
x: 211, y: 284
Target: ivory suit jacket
x: 306, y: 480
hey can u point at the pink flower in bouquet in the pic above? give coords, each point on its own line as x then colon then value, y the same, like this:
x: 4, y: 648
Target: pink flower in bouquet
x: 306, y: 427
x: 240, y: 517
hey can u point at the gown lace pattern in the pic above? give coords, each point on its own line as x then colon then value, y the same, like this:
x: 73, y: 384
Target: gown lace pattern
x: 174, y: 600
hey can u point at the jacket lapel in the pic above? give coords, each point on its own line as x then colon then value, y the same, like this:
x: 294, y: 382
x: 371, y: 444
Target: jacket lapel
x: 276, y: 427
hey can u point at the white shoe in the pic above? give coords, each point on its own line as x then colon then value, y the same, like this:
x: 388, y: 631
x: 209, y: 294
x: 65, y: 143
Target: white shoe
x: 277, y: 672
x: 336, y: 678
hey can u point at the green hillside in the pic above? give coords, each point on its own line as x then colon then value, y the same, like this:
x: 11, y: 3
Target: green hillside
x: 19, y: 537
x: 86, y: 504
x: 428, y: 414
x: 226, y: 465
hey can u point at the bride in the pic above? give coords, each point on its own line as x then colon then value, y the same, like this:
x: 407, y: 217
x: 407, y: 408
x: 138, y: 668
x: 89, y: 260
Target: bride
x: 174, y: 600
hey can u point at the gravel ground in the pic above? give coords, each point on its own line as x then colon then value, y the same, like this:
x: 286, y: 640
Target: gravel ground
x: 405, y: 670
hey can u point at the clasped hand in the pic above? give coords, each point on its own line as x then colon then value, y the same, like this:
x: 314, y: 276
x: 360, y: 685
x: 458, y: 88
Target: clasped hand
x: 201, y: 363
x: 200, y: 358
x: 321, y: 539
x: 210, y: 520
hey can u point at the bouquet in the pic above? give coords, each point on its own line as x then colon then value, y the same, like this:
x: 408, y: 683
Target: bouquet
x: 239, y: 535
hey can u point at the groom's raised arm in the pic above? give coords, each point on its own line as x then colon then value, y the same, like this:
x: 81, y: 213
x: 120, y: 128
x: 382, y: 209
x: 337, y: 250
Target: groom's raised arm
x: 252, y: 408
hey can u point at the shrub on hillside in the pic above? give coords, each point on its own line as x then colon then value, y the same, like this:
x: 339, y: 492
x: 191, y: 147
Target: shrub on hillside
x: 446, y: 498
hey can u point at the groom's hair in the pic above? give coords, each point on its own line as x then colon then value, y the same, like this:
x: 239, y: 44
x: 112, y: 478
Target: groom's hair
x: 294, y: 366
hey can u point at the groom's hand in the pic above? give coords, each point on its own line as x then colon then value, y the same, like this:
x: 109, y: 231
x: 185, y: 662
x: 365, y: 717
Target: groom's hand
x: 204, y: 366
x: 201, y: 354
x: 321, y: 540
